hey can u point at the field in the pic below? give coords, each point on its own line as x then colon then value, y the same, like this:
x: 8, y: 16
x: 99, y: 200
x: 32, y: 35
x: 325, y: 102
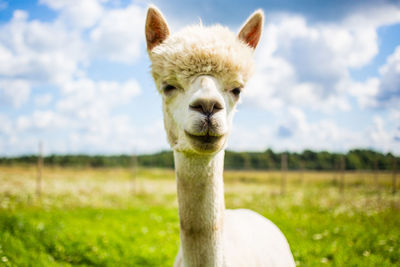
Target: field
x: 110, y: 217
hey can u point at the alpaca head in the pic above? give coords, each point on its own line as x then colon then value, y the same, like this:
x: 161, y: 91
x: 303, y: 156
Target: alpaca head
x: 200, y: 73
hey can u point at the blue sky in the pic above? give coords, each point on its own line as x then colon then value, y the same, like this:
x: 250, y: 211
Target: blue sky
x: 75, y: 75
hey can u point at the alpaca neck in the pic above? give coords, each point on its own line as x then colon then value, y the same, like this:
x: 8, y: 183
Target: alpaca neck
x: 201, y: 207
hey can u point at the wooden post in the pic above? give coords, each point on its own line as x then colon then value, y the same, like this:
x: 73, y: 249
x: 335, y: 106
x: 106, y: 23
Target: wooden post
x: 284, y: 169
x: 134, y: 173
x: 394, y: 189
x: 342, y: 168
x: 39, y: 170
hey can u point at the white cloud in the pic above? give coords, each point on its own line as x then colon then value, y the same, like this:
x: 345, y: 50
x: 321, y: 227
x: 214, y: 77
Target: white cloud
x: 394, y: 121
x: 365, y: 92
x: 77, y: 13
x: 323, y: 134
x: 256, y: 139
x: 119, y: 135
x: 295, y: 132
x: 38, y: 52
x: 110, y: 134
x: 307, y: 66
x: 56, y: 53
x: 5, y: 125
x: 84, y: 118
x: 14, y: 92
x: 382, y: 91
x: 43, y: 99
x: 87, y: 99
x: 380, y: 137
x: 119, y: 35
x: 41, y: 120
x: 374, y: 16
x: 389, y: 93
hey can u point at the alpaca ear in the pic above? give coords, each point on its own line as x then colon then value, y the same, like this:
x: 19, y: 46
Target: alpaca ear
x: 156, y: 28
x: 250, y: 32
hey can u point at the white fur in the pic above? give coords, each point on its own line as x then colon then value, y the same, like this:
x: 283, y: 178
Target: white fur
x: 204, y: 65
x: 228, y: 237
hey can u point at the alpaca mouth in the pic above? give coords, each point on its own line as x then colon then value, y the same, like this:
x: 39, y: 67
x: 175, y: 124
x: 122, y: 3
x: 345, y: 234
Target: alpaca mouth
x: 205, y: 139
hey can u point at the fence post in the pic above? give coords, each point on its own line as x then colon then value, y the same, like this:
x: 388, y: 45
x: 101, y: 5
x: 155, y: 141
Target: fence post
x: 39, y: 170
x: 284, y: 169
x: 342, y: 168
x: 394, y: 176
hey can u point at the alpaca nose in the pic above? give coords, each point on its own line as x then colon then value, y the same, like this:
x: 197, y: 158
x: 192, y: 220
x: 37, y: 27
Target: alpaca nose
x: 206, y: 107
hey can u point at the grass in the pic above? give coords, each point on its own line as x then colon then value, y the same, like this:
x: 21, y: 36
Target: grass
x: 104, y: 217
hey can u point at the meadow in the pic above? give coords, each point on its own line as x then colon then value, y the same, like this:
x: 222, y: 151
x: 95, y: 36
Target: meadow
x: 117, y: 217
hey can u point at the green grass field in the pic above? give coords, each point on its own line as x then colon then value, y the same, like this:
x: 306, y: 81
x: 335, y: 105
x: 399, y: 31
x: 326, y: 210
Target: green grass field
x: 104, y: 217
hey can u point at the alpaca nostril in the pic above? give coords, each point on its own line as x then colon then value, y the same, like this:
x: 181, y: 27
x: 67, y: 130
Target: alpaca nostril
x: 197, y: 108
x: 206, y: 107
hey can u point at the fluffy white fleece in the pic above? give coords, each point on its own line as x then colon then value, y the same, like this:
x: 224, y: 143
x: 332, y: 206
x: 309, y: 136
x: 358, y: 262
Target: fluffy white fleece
x: 198, y: 50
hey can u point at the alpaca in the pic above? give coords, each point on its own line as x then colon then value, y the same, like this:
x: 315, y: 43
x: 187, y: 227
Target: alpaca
x: 200, y: 73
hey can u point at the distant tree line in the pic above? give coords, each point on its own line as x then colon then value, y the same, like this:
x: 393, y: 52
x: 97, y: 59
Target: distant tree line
x: 357, y: 159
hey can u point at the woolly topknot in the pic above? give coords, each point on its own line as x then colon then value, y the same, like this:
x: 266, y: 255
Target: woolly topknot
x: 198, y: 50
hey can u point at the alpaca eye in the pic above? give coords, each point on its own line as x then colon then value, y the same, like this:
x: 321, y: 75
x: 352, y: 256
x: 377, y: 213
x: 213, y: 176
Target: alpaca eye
x: 236, y: 91
x: 168, y: 88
